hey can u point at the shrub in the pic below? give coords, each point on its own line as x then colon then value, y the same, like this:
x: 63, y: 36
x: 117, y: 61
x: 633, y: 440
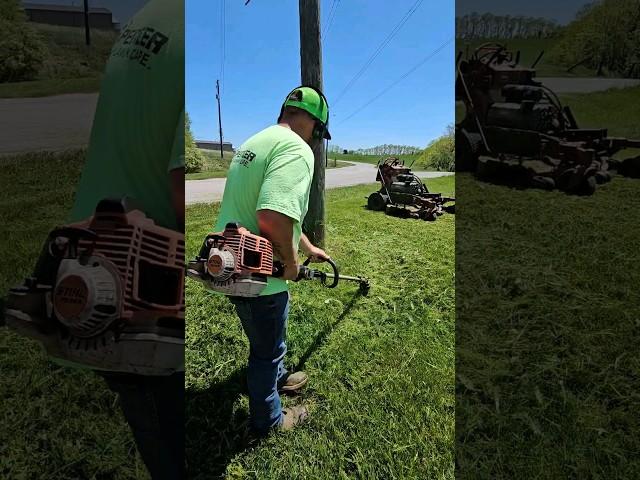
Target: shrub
x: 440, y: 154
x: 21, y: 49
x: 193, y: 158
x: 605, y: 37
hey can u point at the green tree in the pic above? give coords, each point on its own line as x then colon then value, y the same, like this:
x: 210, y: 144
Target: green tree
x: 605, y: 37
x: 21, y: 49
x: 440, y: 154
x: 193, y: 158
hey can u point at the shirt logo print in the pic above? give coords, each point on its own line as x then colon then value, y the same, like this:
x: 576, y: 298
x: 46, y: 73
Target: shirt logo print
x: 244, y: 157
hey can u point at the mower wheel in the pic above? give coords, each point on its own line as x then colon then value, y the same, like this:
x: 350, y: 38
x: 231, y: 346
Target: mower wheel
x: 587, y: 187
x: 377, y: 202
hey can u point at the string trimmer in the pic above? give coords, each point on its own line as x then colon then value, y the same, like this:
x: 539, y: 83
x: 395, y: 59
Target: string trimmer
x: 237, y: 263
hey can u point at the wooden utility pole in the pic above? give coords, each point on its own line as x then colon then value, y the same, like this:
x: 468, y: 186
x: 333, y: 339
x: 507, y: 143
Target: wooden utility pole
x: 87, y: 28
x: 311, y: 66
x: 219, y: 116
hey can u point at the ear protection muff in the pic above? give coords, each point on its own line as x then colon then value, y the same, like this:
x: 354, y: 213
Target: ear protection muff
x: 319, y: 128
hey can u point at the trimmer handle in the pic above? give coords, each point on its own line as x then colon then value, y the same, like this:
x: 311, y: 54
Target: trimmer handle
x: 311, y: 273
x: 306, y: 273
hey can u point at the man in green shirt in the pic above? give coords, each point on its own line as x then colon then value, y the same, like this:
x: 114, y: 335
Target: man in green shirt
x: 267, y: 192
x: 137, y: 150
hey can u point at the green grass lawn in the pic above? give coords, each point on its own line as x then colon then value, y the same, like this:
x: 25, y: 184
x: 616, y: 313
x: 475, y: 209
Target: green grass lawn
x: 546, y: 334
x: 44, y: 88
x: 57, y: 423
x: 530, y: 48
x: 615, y: 109
x: 547, y: 318
x: 381, y: 389
x: 70, y: 66
x: 216, y: 167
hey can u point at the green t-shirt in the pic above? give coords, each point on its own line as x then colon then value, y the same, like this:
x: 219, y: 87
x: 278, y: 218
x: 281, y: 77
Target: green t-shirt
x: 138, y: 128
x: 137, y: 136
x: 270, y: 171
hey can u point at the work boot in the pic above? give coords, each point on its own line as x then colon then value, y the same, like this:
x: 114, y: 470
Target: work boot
x: 293, y: 416
x: 293, y: 382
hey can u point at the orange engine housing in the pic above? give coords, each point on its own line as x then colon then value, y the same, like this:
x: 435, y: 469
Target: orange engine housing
x: 253, y: 254
x: 149, y: 258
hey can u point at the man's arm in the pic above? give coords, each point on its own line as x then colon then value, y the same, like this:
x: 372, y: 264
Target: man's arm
x: 177, y: 195
x: 278, y: 229
x: 310, y: 250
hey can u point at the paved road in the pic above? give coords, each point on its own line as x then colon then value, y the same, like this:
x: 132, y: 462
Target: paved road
x: 46, y: 123
x: 586, y: 85
x: 64, y: 121
x: 211, y: 190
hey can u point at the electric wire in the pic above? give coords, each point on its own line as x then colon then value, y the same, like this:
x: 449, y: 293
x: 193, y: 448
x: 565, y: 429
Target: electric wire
x: 379, y: 49
x: 332, y: 14
x: 405, y: 75
x: 223, y: 40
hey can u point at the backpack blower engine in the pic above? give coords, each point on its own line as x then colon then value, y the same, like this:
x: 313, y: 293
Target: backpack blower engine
x: 107, y: 293
x: 237, y: 263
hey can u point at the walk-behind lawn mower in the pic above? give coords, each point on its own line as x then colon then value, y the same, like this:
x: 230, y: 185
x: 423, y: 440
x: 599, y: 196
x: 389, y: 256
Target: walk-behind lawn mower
x: 403, y: 194
x: 236, y: 262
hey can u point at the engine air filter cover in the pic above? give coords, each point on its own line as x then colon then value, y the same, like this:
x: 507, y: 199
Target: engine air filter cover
x: 221, y: 264
x: 87, y: 295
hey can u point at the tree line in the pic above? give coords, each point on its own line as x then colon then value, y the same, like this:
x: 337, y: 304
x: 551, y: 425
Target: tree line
x: 386, y: 149
x: 486, y: 25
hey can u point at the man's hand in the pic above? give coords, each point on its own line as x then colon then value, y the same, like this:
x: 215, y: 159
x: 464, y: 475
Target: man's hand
x: 291, y: 271
x: 316, y: 254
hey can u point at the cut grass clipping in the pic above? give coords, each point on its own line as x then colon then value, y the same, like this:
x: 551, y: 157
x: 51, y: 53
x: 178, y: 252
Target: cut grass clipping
x: 547, y: 332
x: 381, y: 390
x: 57, y: 423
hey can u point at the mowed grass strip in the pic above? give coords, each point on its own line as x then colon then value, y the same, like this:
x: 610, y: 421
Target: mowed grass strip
x: 57, y: 423
x: 547, y: 326
x: 381, y: 367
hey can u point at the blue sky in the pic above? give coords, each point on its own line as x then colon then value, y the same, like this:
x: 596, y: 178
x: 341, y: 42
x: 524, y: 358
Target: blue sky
x: 263, y: 64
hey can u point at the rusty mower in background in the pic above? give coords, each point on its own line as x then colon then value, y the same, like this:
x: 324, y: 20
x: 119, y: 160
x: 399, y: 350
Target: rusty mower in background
x: 403, y: 194
x: 517, y: 132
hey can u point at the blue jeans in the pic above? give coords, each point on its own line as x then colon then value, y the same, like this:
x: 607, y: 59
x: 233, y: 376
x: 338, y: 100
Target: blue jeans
x: 264, y: 321
x: 154, y: 410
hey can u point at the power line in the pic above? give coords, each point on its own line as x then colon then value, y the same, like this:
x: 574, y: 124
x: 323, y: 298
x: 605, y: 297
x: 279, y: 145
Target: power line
x: 223, y: 40
x: 332, y: 14
x: 378, y: 50
x: 409, y: 72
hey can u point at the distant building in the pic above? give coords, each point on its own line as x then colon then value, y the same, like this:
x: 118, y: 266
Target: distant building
x: 209, y: 145
x: 69, y: 16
